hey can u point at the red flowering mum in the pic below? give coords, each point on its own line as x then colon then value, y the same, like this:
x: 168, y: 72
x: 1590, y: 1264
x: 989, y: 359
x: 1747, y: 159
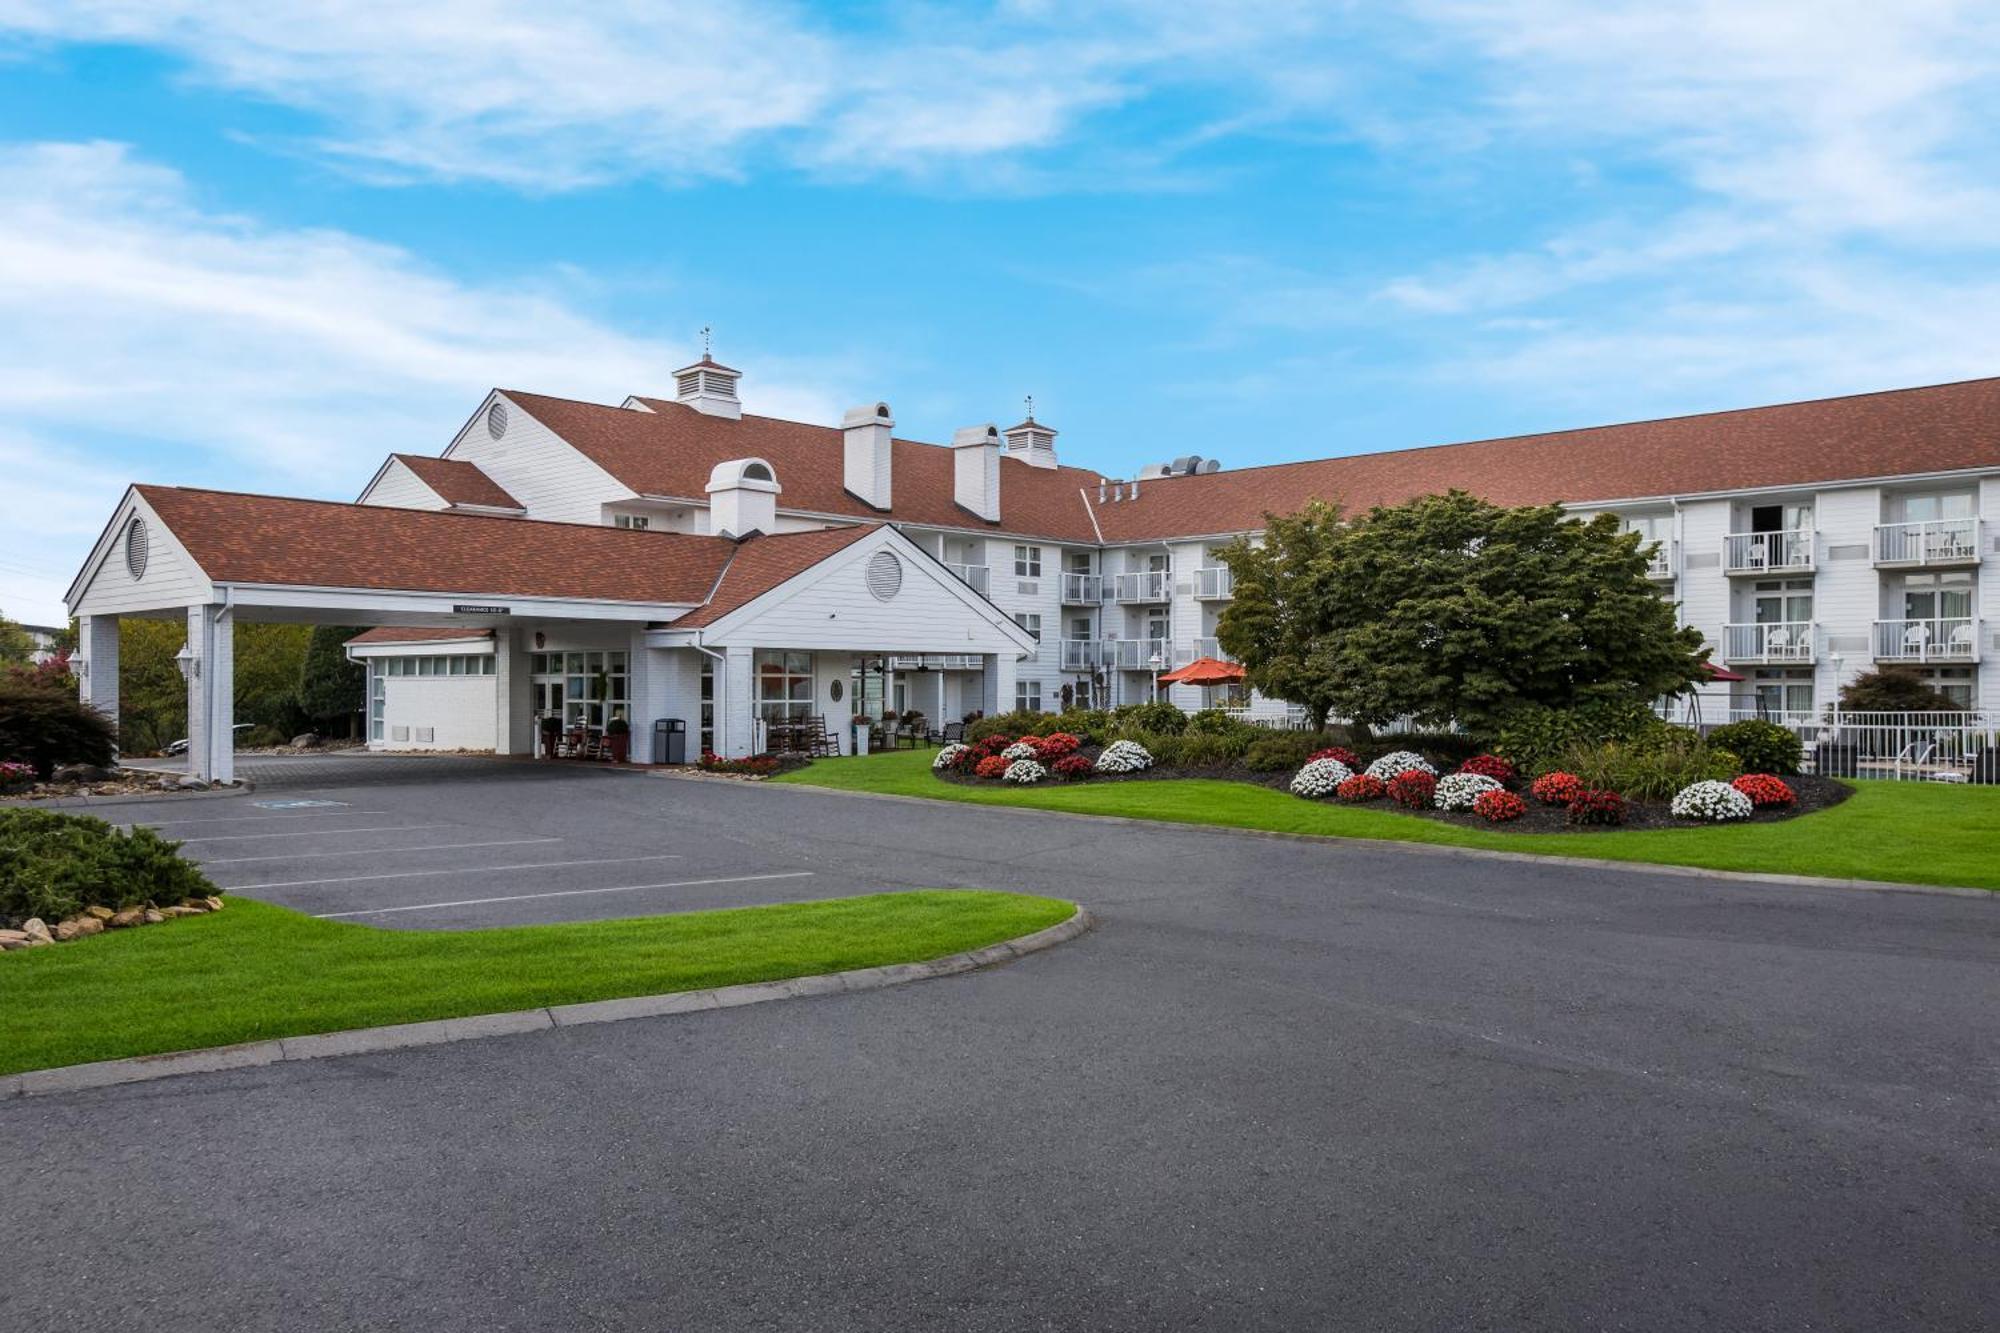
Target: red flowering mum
x: 1489, y: 766
x: 1054, y: 745
x: 1497, y: 807
x: 1557, y: 788
x: 987, y: 746
x: 1765, y: 792
x: 1340, y: 752
x: 1361, y: 787
x: 1596, y: 806
x: 1071, y: 766
x: 1414, y: 790
x: 992, y: 766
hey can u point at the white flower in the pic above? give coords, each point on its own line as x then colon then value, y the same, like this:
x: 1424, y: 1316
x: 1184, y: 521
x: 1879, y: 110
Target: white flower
x: 1020, y: 750
x: 1124, y: 757
x: 1711, y: 801
x: 1460, y: 790
x: 1399, y: 761
x: 1320, y: 777
x: 949, y: 756
x: 1024, y: 771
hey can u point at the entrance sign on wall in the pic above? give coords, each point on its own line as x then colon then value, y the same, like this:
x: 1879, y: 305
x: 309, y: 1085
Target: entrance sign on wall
x: 482, y: 610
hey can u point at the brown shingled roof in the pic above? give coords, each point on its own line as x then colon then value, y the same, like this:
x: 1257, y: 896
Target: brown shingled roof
x: 239, y: 538
x: 670, y: 450
x: 457, y: 482
x: 419, y: 633
x: 763, y: 562
x: 1941, y: 428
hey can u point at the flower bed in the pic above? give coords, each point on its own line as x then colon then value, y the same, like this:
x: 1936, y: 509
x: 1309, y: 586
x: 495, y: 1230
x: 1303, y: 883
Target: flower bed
x: 1461, y: 789
x: 1320, y: 777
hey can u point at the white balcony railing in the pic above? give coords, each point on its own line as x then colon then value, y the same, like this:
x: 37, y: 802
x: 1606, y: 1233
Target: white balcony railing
x: 1188, y: 652
x: 1940, y: 541
x: 1214, y: 583
x: 1780, y: 641
x: 1147, y: 586
x: 1082, y: 589
x: 1141, y: 654
x: 1768, y: 552
x: 978, y: 577
x: 1950, y: 639
x: 937, y: 662
x: 1085, y: 654
x: 1662, y: 564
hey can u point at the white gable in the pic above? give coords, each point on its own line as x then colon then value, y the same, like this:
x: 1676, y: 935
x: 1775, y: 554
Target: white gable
x: 399, y: 488
x: 167, y: 577
x: 551, y: 480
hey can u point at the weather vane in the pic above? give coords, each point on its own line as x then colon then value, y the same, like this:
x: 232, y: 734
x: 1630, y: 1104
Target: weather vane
x: 706, y: 354
x: 1030, y: 400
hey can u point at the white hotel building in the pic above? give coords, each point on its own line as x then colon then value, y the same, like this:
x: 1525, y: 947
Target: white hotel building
x: 678, y: 558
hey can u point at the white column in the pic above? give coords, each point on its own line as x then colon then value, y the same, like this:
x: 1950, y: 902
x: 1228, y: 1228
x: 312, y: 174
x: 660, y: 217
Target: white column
x: 736, y: 712
x: 96, y: 663
x: 212, y: 693
x: 996, y: 691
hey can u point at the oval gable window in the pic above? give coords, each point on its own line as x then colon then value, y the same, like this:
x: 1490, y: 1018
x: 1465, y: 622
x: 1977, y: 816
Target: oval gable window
x: 137, y: 547
x: 885, y: 575
x: 496, y: 419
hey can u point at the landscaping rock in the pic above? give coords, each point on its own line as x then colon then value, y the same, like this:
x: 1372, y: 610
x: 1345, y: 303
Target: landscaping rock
x: 192, y: 784
x: 177, y: 911
x: 8, y: 946
x: 194, y: 906
x: 89, y: 925
x: 153, y: 916
x: 36, y: 929
x: 305, y: 742
x: 83, y: 773
x: 164, y: 783
x: 66, y: 931
x: 214, y: 904
x: 131, y: 916
x: 14, y: 936
x: 101, y: 913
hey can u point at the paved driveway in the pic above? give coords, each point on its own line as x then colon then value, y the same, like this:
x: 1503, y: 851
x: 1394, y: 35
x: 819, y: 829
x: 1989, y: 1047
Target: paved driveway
x: 1282, y: 1086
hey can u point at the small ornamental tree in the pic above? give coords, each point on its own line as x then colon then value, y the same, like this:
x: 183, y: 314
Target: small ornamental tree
x: 331, y: 688
x: 45, y: 728
x: 1449, y: 609
x: 1895, y: 690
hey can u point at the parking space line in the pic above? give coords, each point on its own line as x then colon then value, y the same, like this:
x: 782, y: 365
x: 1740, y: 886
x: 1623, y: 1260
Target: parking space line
x: 461, y: 870
x: 372, y: 851
x: 318, y: 832
x: 563, y: 893
x: 249, y: 819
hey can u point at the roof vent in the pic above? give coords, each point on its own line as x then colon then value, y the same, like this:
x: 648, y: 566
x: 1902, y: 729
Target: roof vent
x: 1208, y: 466
x: 1031, y: 442
x: 138, y: 546
x: 1157, y: 470
x: 709, y: 386
x: 496, y: 419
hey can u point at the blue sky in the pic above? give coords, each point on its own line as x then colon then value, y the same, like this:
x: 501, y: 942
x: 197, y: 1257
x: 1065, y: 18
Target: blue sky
x: 261, y: 246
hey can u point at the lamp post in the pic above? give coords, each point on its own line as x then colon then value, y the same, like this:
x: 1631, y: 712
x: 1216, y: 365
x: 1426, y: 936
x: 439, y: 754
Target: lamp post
x: 1836, y: 659
x: 1155, y: 663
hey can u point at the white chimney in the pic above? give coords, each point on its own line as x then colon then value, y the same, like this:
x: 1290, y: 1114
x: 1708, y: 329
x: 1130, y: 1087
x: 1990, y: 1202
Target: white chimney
x: 865, y: 433
x: 976, y: 470
x: 709, y: 386
x: 742, y: 498
x: 1032, y: 443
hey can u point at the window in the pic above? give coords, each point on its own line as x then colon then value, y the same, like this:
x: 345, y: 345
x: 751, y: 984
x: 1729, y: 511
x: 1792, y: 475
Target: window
x: 1781, y: 601
x: 636, y: 521
x: 1030, y: 621
x: 1076, y: 562
x: 706, y: 740
x: 1027, y: 562
x: 1929, y: 508
x: 784, y: 685
x: 1938, y: 596
x: 584, y: 689
x: 1953, y: 682
x: 378, y: 696
x: 1775, y: 693
x: 1027, y: 696
x: 1079, y: 627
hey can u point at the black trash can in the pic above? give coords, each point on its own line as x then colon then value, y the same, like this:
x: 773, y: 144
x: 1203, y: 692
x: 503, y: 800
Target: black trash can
x: 670, y: 741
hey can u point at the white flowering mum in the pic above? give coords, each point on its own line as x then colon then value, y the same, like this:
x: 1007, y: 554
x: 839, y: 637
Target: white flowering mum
x: 1020, y: 750
x: 1714, y: 802
x: 1460, y: 790
x: 1320, y: 777
x: 1399, y: 761
x: 949, y: 756
x: 1124, y: 757
x: 1024, y: 771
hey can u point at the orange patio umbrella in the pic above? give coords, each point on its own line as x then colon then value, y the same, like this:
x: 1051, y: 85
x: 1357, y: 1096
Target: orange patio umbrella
x: 1205, y: 671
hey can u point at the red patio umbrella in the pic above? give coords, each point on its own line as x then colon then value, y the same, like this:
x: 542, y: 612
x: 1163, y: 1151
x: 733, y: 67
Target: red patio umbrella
x: 1205, y: 671
x: 1714, y: 672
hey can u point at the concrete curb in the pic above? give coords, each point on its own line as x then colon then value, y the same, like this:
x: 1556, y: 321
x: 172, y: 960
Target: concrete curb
x: 1438, y: 849
x: 243, y: 787
x: 366, y: 1041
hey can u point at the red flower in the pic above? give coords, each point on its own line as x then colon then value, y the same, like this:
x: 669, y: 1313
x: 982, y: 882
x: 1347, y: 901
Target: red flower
x: 1361, y: 787
x: 1054, y: 745
x: 1413, y: 790
x: 992, y: 766
x: 1595, y: 806
x: 1489, y: 766
x: 1557, y: 788
x: 1340, y: 752
x: 1765, y: 792
x: 1071, y: 766
x: 1497, y: 807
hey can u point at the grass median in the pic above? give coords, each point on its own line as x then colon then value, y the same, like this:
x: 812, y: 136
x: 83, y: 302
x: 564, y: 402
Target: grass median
x: 256, y: 971
x: 1907, y: 832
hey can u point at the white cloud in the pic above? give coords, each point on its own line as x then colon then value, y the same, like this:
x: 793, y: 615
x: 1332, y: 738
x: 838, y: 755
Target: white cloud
x: 159, y: 341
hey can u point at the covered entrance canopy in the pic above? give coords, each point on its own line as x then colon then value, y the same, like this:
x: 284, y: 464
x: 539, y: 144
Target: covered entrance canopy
x: 668, y: 601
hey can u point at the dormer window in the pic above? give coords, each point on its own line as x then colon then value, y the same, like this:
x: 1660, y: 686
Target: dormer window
x: 638, y: 522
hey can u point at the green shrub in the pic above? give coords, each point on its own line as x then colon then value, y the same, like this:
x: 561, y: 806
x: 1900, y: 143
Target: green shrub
x: 1447, y: 749
x: 1652, y: 767
x: 54, y: 865
x: 1092, y: 726
x: 1166, y: 749
x: 46, y: 728
x: 1534, y: 737
x: 1161, y: 718
x: 1215, y: 722
x: 1279, y: 751
x: 1764, y: 747
x: 1211, y: 749
x: 1008, y: 724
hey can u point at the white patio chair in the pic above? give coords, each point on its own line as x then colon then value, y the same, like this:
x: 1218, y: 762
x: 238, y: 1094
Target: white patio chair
x: 1916, y: 638
x: 1778, y: 643
x: 1960, y: 643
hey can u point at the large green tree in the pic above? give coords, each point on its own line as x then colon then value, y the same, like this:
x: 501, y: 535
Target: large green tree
x: 15, y: 645
x: 1449, y: 608
x: 331, y: 688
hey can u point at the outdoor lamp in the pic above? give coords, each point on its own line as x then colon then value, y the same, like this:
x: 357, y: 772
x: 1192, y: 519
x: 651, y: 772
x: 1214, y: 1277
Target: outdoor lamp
x: 189, y: 664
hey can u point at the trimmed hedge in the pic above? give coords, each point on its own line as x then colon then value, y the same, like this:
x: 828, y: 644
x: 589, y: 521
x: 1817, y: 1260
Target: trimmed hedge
x: 53, y: 865
x: 1764, y: 747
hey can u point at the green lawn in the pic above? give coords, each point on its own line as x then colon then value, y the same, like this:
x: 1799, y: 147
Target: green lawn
x: 255, y: 971
x: 1924, y: 833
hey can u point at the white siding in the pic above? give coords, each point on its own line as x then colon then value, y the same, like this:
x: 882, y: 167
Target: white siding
x: 1847, y: 589
x: 457, y: 712
x: 1989, y: 595
x: 399, y: 488
x: 551, y: 480
x: 171, y: 579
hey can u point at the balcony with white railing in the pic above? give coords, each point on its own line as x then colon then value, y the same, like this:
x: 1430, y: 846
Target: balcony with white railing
x: 1787, y: 552
x: 1085, y: 654
x: 1140, y: 654
x: 1784, y: 641
x: 1662, y: 563
x: 1948, y: 639
x: 1144, y: 588
x: 1937, y: 542
x: 937, y: 662
x: 978, y: 577
x: 1214, y: 583
x: 1082, y: 589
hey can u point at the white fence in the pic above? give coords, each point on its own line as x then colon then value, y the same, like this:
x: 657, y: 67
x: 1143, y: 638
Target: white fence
x: 1906, y: 747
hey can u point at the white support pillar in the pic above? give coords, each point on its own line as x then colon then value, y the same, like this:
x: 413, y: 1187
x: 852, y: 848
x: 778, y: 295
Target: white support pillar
x: 996, y: 690
x: 96, y: 663
x: 736, y: 711
x: 211, y: 690
x: 513, y: 693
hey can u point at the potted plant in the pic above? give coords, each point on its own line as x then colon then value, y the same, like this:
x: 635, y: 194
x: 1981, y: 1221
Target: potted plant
x: 551, y: 734
x: 618, y: 735
x: 861, y: 723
